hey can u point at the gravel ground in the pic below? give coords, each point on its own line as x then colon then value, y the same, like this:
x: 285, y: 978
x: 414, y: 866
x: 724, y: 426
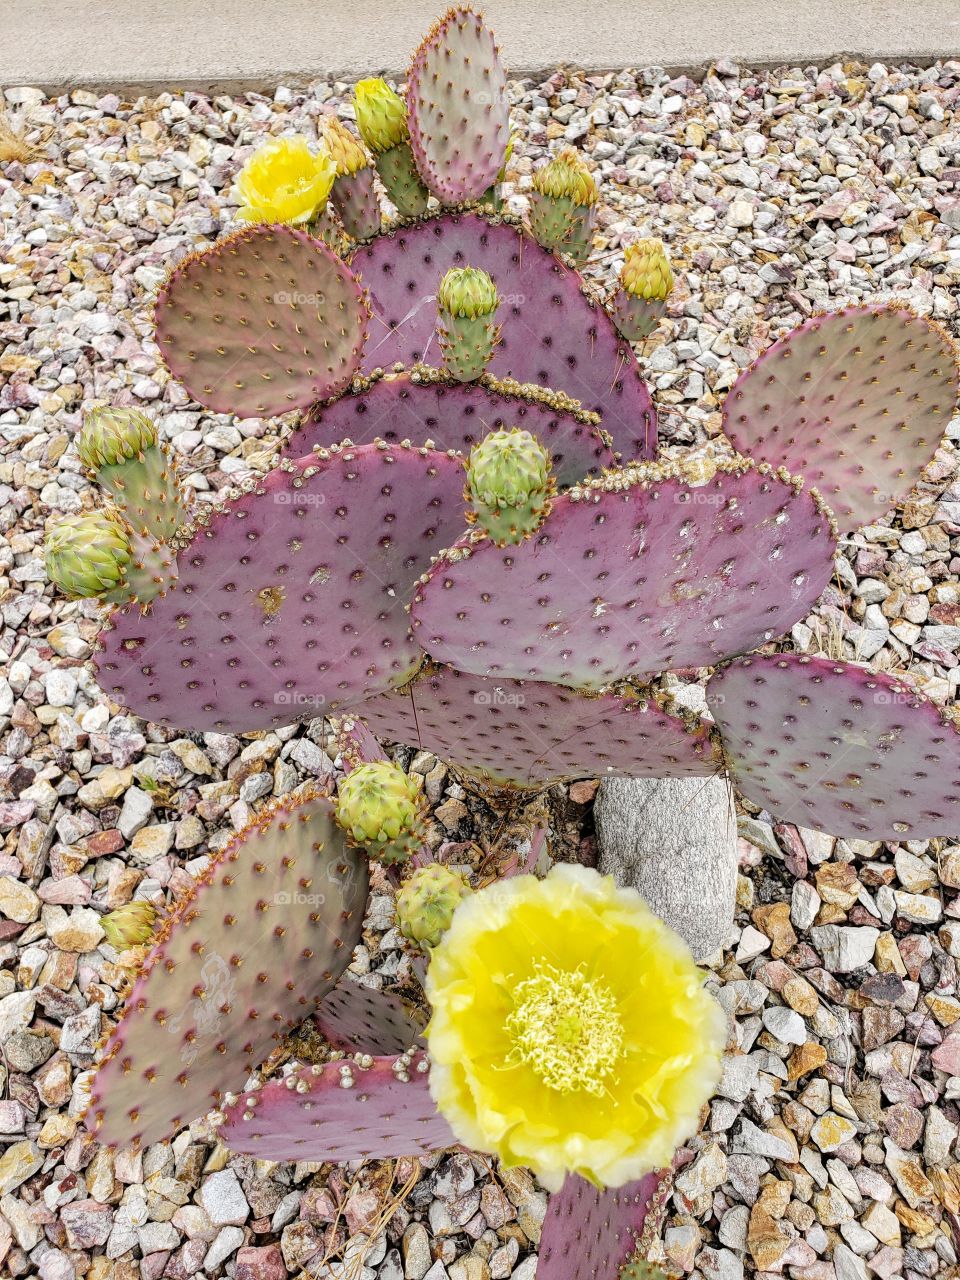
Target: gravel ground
x: 827, y: 1153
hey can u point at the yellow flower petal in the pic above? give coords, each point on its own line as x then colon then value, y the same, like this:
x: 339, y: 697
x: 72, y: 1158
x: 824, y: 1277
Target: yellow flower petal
x: 570, y: 1031
x: 283, y: 181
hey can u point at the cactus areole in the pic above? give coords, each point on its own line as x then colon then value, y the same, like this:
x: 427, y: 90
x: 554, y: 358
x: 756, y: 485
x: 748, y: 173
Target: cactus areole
x: 471, y: 548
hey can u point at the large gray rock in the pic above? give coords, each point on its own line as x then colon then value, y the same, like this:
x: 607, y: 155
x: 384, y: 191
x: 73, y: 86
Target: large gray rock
x: 674, y: 840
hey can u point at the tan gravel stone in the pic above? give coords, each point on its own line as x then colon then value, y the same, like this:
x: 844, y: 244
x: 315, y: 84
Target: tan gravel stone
x: 804, y: 1059
x: 18, y: 901
x: 18, y: 1163
x: 801, y: 996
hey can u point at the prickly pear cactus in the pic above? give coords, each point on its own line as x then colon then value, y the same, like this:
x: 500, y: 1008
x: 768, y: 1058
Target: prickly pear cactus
x: 365, y: 1108
x: 598, y: 1227
x: 486, y: 561
x: 267, y: 320
x: 679, y: 576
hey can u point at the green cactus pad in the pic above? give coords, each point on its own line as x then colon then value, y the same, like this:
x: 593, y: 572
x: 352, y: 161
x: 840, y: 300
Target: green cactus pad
x: 381, y: 809
x: 398, y: 173
x: 265, y: 321
x: 254, y: 948
x: 510, y: 485
x: 426, y: 903
x: 563, y: 205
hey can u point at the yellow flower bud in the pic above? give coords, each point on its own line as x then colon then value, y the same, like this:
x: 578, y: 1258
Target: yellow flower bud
x: 646, y: 270
x: 566, y: 175
x: 345, y: 151
x: 381, y: 115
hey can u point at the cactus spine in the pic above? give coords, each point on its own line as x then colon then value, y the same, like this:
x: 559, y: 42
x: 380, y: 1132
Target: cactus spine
x: 380, y: 807
x: 510, y: 484
x: 467, y: 302
x: 646, y: 281
x: 427, y: 901
x: 353, y: 194
x: 563, y: 205
x: 382, y: 121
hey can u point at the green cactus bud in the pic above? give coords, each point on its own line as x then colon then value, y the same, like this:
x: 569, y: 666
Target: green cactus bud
x: 381, y: 115
x: 427, y: 901
x: 645, y: 283
x: 130, y: 925
x: 467, y: 291
x: 89, y: 555
x: 510, y: 484
x: 380, y: 807
x: 646, y: 270
x: 467, y: 302
x: 563, y: 205
x: 114, y: 434
x: 343, y: 148
x: 566, y: 177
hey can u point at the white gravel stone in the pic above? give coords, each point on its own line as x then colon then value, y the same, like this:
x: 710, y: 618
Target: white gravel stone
x: 222, y: 1197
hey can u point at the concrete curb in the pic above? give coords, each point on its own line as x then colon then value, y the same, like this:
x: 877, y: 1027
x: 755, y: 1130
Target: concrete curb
x: 256, y: 44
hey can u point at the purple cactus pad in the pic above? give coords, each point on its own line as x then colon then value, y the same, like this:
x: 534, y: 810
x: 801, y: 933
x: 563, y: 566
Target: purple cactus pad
x: 340, y: 1111
x: 589, y: 1232
x: 291, y: 603
x: 553, y: 333
x: 856, y: 402
x: 264, y: 321
x: 362, y: 1019
x: 838, y: 747
x: 530, y: 734
x: 263, y: 938
x: 454, y: 416
x: 458, y: 109
x: 632, y: 575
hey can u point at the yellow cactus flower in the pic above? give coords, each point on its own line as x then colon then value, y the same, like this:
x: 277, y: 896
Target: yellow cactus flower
x: 284, y: 181
x: 646, y: 271
x: 571, y: 1031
